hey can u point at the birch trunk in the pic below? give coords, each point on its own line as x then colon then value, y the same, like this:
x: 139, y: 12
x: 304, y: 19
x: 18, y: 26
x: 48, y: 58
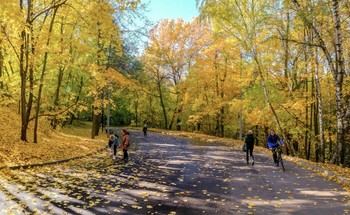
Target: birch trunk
x: 338, y: 70
x: 268, y: 100
x: 338, y: 76
x: 319, y: 111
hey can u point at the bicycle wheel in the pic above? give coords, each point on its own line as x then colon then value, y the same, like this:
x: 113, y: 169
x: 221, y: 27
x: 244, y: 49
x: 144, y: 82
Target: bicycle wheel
x: 282, y: 165
x: 281, y: 161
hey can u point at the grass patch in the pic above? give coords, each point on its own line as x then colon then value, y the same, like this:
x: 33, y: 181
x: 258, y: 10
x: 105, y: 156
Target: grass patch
x: 78, y: 128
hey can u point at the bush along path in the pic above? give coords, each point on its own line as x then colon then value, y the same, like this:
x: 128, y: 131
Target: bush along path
x: 170, y: 175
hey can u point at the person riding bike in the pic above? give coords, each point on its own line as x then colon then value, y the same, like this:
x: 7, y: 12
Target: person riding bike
x: 273, y: 141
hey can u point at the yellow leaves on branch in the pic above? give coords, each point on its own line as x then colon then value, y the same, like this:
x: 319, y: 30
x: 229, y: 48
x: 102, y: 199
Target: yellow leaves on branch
x: 124, y: 4
x: 114, y: 77
x: 108, y: 78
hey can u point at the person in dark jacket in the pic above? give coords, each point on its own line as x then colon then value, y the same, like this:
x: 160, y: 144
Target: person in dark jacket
x: 144, y: 129
x: 249, y: 141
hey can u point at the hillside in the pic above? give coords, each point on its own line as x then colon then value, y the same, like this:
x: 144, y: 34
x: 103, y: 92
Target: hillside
x: 52, y: 145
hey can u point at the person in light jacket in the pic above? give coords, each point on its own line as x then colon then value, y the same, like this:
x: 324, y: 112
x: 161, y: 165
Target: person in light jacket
x: 113, y: 144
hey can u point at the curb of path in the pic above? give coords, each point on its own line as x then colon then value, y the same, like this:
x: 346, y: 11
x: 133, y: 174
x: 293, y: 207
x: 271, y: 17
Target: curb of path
x: 27, y: 166
x: 320, y: 170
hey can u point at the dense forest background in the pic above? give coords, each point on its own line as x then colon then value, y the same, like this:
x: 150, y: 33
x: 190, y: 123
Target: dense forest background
x: 240, y: 65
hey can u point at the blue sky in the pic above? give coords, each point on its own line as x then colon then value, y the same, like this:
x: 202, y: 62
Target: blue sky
x: 171, y: 9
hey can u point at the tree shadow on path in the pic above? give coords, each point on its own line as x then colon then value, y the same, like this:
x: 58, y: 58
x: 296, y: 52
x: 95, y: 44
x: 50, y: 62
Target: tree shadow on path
x: 171, y: 175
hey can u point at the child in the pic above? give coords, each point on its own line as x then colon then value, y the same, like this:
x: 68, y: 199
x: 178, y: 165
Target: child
x: 113, y: 142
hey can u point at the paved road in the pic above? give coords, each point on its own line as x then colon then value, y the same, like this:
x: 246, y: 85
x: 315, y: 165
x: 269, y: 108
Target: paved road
x: 171, y: 175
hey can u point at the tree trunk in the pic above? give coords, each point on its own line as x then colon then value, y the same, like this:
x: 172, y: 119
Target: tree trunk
x: 96, y: 116
x: 267, y: 98
x: 306, y: 80
x: 315, y: 128
x: 23, y: 67
x: 151, y: 112
x: 338, y: 71
x: 61, y: 69
x: 241, y: 99
x: 159, y: 80
x: 54, y: 122
x: 286, y: 49
x: 95, y: 122
x: 77, y: 99
x: 173, y: 117
x: 257, y: 135
x: 311, y: 122
x: 306, y: 139
x: 313, y: 119
x: 1, y: 67
x: 136, y: 105
x: 108, y: 111
x: 163, y: 106
x: 222, y: 96
x: 338, y: 76
x: 43, y: 72
x: 216, y: 94
x: 217, y: 120
x: 319, y: 111
x: 222, y: 126
x: 347, y: 137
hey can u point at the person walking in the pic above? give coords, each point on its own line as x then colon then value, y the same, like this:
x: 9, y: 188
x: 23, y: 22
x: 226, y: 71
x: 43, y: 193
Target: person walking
x: 144, y: 129
x: 273, y: 141
x: 249, y: 141
x: 125, y: 144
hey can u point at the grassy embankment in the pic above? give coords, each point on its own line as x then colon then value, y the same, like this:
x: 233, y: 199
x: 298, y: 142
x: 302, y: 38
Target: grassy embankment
x: 70, y: 141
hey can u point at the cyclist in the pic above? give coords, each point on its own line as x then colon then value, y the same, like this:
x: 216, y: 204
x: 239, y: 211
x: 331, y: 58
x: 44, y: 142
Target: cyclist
x: 273, y: 141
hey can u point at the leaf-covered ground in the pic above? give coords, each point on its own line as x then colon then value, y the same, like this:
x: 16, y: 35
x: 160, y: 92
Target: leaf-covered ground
x: 72, y: 141
x: 52, y: 145
x: 171, y: 175
x: 154, y: 181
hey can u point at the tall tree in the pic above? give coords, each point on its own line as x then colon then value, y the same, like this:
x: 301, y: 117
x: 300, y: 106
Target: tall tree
x: 335, y: 61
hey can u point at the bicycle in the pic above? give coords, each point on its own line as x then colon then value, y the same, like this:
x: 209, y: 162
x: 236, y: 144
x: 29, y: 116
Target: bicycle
x: 278, y: 151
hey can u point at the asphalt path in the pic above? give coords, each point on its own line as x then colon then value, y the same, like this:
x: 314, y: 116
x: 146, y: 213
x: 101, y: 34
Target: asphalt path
x: 171, y: 175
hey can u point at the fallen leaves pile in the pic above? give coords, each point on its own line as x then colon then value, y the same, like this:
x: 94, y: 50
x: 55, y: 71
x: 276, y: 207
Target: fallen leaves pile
x: 52, y: 145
